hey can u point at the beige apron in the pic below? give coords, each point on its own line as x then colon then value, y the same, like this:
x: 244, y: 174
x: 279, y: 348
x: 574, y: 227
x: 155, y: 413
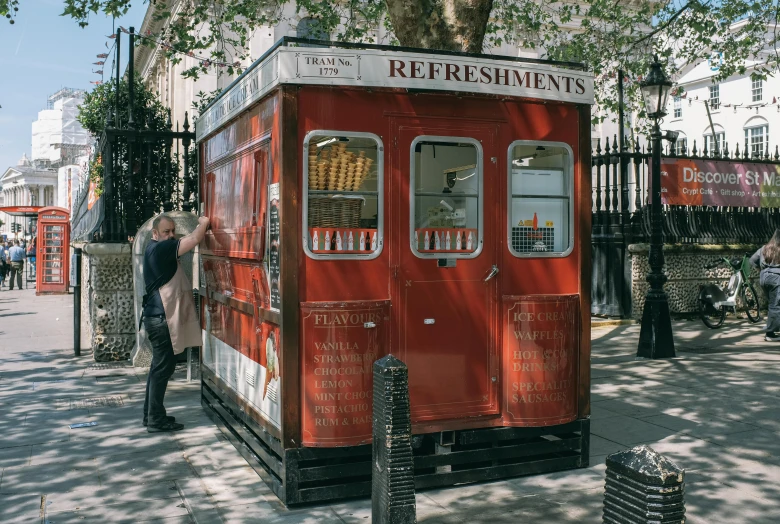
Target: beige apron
x: 180, y: 314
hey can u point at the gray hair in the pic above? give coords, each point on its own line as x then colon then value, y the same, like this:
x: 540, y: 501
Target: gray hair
x: 160, y: 218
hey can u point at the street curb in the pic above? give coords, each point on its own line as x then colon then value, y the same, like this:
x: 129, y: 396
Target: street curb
x: 597, y: 323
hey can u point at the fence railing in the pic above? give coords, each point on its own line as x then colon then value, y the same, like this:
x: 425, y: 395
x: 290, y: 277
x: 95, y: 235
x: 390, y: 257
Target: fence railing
x: 620, y: 200
x: 621, y: 215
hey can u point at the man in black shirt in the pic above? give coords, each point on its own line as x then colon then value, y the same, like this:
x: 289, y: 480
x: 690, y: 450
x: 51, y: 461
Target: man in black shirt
x: 160, y: 268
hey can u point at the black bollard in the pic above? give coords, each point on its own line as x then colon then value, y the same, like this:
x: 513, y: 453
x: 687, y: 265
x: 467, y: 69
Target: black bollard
x: 392, y: 477
x: 643, y: 487
x: 77, y: 304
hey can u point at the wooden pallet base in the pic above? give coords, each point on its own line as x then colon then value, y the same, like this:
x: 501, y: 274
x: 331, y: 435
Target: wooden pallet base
x: 307, y: 475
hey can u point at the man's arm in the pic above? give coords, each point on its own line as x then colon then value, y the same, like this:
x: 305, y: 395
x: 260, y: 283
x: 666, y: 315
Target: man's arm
x: 188, y: 243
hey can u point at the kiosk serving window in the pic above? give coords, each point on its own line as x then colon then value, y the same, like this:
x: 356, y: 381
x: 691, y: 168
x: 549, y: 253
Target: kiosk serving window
x: 540, y: 199
x: 446, y: 197
x: 343, y: 195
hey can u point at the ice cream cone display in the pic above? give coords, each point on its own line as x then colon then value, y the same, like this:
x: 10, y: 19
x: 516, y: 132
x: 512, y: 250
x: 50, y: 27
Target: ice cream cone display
x: 336, y: 169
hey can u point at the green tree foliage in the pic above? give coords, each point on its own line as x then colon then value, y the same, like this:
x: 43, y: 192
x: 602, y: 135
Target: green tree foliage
x: 147, y: 157
x: 607, y: 35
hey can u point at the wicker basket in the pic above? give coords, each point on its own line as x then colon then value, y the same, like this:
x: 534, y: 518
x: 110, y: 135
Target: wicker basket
x: 334, y: 212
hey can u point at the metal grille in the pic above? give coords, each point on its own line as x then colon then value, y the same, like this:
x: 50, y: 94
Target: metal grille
x: 526, y: 239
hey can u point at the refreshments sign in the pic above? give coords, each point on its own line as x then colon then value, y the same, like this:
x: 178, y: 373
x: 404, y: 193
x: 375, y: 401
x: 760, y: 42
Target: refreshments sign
x: 395, y: 69
x: 690, y: 182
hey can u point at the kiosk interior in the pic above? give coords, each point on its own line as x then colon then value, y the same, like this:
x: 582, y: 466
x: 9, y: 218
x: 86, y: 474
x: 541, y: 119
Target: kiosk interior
x: 371, y: 200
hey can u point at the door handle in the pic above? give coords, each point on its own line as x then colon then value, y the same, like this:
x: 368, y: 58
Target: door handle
x: 493, y: 272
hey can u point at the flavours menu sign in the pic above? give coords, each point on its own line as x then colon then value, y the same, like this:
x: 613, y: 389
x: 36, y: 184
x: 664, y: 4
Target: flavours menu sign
x: 340, y: 345
x: 540, y: 360
x: 689, y: 182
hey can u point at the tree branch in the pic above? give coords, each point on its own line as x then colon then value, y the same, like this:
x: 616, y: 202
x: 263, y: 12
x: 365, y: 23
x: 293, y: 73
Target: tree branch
x: 662, y: 26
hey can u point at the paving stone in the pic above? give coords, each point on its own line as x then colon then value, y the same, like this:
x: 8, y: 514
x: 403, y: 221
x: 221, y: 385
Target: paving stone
x: 640, y: 406
x: 701, y: 427
x: 20, y: 507
x: 105, y: 495
x: 711, y: 502
x: 59, y: 452
x: 758, y: 444
x: 151, y: 510
x: 248, y: 514
x: 582, y: 505
x: 694, y: 454
x: 602, y: 446
x: 628, y: 431
x: 49, y: 478
x: 18, y: 456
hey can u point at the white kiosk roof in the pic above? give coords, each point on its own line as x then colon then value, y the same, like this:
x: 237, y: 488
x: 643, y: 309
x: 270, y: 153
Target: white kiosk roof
x: 375, y: 66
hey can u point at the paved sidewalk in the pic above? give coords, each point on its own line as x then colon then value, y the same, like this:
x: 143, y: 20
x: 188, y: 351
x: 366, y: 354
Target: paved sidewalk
x: 713, y: 410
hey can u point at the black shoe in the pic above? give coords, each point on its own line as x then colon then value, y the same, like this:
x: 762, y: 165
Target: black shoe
x: 165, y: 427
x: 772, y: 337
x: 168, y: 419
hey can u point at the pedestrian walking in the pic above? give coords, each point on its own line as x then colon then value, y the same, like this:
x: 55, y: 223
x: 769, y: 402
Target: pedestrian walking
x: 32, y: 251
x: 16, y: 259
x: 767, y: 258
x: 3, y: 264
x: 168, y: 313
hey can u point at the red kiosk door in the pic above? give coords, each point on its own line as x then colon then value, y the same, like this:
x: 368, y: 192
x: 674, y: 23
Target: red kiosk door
x: 447, y: 256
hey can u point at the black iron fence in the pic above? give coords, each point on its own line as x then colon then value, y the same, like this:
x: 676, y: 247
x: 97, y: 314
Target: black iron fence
x: 621, y: 214
x: 141, y: 165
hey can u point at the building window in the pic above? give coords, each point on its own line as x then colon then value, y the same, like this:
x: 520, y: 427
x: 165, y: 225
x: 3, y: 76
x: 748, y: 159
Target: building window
x: 540, y: 199
x: 757, y: 88
x: 343, y: 200
x: 709, y: 143
x: 757, y: 139
x: 681, y: 146
x: 446, y: 197
x: 715, y: 96
x: 677, y: 107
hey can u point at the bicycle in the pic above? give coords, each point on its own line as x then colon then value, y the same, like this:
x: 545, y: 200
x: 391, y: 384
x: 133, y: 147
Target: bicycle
x: 714, y: 300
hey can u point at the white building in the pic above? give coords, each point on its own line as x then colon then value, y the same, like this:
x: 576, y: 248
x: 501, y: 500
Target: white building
x: 26, y: 184
x: 744, y: 110
x: 57, y: 137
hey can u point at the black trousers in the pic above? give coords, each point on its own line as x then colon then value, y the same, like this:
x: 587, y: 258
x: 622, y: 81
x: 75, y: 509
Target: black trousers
x: 163, y: 365
x: 17, y: 270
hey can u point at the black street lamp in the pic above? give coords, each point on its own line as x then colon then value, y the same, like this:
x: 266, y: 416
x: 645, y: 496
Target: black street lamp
x: 655, y: 336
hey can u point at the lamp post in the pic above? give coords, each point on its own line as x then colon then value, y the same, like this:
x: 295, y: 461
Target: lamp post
x: 655, y: 336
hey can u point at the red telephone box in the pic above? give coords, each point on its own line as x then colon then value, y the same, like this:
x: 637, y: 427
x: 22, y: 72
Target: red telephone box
x: 52, y: 251
x: 369, y: 200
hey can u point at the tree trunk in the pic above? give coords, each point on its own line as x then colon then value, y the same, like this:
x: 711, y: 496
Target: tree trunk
x: 450, y: 25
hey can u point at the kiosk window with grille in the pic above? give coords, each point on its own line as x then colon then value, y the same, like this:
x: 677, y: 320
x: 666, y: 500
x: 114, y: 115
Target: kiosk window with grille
x: 540, y: 199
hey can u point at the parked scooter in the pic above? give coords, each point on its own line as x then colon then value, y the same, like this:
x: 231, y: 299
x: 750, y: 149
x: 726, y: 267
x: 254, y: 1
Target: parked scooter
x: 714, y: 301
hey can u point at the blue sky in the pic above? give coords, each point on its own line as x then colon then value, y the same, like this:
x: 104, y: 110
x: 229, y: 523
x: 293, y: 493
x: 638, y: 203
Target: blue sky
x: 41, y: 53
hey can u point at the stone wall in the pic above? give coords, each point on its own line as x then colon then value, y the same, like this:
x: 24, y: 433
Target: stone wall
x: 685, y: 267
x: 108, y: 285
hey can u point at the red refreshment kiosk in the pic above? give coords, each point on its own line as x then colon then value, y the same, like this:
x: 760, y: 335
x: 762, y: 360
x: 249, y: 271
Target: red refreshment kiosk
x: 53, y: 251
x: 367, y: 200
